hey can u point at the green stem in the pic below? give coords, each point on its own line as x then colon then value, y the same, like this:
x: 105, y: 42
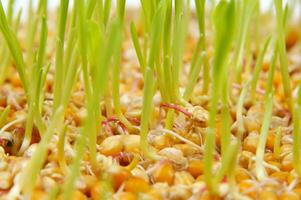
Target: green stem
x: 137, y: 47
x: 33, y: 167
x: 283, y: 56
x: 192, y: 79
x: 15, y: 49
x: 247, y: 11
x: 4, y: 115
x: 147, y: 108
x: 260, y: 171
x: 61, y: 150
x: 258, y: 68
x: 59, y: 68
x: 296, y: 138
x: 169, y: 119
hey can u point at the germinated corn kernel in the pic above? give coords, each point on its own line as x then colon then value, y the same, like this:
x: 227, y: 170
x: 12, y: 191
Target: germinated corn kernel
x: 136, y: 185
x: 286, y: 148
x: 270, y: 140
x: 269, y: 156
x: 287, y: 162
x: 111, y: 146
x: 131, y: 143
x: 183, y: 178
x: 164, y: 173
x: 245, y: 159
x: 187, y: 149
x: 250, y: 142
x: 161, y: 141
x: 252, y: 124
x: 195, y: 167
x: 118, y: 175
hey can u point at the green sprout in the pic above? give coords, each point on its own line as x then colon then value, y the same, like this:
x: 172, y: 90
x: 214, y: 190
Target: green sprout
x: 116, y: 73
x: 100, y: 53
x: 281, y: 21
x: 145, y: 114
x: 5, y: 56
x: 33, y: 22
x: 223, y: 19
x: 260, y: 171
x: 296, y: 133
x: 226, y: 119
x: 244, y: 15
x: 59, y: 67
x: 167, y: 88
x: 239, y: 111
x: 178, y: 47
x: 32, y: 168
x: 137, y: 46
x: 4, y: 115
x: 33, y: 110
x: 192, y: 79
x: 88, y: 57
x: 61, y: 147
x: 200, y: 11
x: 206, y: 73
x: 16, y: 52
x: 258, y: 67
x: 167, y: 77
x: 107, y: 9
x: 14, y: 48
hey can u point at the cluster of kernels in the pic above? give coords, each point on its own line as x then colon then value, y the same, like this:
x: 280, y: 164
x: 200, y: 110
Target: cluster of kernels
x: 169, y: 172
x: 113, y: 145
x: 182, y: 167
x: 165, y: 172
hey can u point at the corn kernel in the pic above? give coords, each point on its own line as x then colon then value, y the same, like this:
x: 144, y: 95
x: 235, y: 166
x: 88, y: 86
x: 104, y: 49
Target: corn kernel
x: 111, y: 146
x: 195, y: 167
x: 183, y: 178
x: 164, y: 173
x: 136, y: 185
x: 250, y: 142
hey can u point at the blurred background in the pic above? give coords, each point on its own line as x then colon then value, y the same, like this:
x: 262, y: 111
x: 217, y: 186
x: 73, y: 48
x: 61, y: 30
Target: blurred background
x: 265, y: 4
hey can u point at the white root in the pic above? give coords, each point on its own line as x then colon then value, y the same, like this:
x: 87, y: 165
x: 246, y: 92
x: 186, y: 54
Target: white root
x: 162, y: 130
